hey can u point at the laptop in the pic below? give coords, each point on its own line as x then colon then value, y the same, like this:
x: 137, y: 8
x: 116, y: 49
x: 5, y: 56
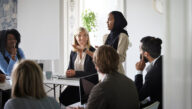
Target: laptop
x: 86, y: 84
x: 41, y: 66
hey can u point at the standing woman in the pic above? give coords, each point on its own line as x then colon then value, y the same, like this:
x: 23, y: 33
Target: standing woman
x: 118, y: 36
x: 80, y: 64
x: 10, y: 52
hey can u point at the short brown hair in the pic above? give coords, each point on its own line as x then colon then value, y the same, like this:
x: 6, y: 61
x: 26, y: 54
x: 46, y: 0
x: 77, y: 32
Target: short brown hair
x: 27, y: 80
x: 106, y: 59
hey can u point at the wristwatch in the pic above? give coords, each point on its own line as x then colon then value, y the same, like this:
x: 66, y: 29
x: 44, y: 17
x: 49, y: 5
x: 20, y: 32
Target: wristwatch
x: 84, y: 49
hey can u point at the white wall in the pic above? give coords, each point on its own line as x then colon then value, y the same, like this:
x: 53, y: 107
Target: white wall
x: 102, y: 8
x: 143, y: 20
x: 39, y: 25
x: 178, y: 55
x: 70, y: 24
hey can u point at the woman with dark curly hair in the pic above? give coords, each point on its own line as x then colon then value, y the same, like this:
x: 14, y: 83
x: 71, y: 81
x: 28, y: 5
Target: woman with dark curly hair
x: 10, y: 52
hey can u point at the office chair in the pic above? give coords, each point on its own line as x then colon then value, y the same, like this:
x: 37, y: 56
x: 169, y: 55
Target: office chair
x: 152, y: 106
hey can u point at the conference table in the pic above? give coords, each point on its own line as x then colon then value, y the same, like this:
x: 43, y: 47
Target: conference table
x: 51, y: 84
x: 60, y: 82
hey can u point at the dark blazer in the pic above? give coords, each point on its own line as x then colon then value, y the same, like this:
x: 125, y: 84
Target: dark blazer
x: 116, y: 91
x: 153, y: 83
x: 71, y: 94
x: 89, y: 67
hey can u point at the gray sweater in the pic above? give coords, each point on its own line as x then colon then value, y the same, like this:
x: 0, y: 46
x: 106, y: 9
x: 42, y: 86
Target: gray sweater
x: 31, y: 103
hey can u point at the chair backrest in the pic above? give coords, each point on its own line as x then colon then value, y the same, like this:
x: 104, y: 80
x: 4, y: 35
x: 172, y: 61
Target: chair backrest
x: 153, y: 106
x: 86, y: 84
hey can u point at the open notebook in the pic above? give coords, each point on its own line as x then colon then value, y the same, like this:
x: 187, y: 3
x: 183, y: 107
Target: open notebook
x: 6, y: 85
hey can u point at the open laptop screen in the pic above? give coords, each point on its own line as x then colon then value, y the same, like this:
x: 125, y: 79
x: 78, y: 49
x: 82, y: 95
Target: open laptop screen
x: 86, y: 84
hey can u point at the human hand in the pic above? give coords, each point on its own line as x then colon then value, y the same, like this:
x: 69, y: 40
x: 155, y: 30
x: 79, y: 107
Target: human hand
x: 96, y: 47
x: 141, y: 64
x: 2, y: 78
x: 13, y: 51
x: 70, y: 73
x: 78, y: 47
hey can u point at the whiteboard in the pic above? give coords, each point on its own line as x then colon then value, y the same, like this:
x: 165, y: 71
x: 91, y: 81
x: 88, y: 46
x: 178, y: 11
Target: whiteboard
x: 38, y: 21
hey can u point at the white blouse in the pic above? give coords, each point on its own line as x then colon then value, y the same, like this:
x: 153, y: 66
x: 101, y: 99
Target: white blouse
x: 79, y: 62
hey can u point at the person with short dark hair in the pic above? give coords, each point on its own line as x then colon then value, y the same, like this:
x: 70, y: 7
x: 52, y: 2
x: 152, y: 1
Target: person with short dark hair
x: 10, y: 52
x: 27, y: 88
x: 115, y: 90
x: 150, y: 51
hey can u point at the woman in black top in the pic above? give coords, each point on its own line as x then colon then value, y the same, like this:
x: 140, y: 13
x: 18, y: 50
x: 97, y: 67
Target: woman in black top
x: 80, y: 64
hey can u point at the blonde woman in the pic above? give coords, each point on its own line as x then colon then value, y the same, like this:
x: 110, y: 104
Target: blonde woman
x: 27, y: 88
x: 80, y: 64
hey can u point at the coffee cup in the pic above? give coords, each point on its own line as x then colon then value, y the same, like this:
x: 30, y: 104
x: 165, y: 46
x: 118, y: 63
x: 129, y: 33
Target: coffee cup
x: 48, y: 74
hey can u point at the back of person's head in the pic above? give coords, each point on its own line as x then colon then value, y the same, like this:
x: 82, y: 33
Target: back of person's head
x: 77, y: 32
x: 27, y: 80
x: 106, y: 59
x: 120, y: 21
x: 15, y: 33
x: 151, y: 45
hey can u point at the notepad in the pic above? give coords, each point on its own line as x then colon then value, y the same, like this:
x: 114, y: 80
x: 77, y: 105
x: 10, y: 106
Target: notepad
x: 6, y: 85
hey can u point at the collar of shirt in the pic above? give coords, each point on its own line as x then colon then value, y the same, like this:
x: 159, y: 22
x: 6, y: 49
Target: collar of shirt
x: 7, y: 54
x: 101, y: 76
x: 151, y: 64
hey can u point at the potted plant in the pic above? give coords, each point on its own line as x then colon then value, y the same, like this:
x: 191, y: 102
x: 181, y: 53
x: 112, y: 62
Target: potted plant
x: 89, y: 20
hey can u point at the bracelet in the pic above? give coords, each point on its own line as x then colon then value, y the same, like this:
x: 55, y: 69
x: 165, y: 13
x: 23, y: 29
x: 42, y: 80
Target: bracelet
x: 84, y: 49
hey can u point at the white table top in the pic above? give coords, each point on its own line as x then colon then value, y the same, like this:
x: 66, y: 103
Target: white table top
x: 63, y: 81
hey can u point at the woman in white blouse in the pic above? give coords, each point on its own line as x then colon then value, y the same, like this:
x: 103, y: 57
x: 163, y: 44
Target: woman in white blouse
x: 80, y: 64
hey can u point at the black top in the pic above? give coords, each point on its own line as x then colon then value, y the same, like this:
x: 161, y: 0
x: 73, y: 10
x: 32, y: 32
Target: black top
x: 153, y: 83
x: 89, y: 67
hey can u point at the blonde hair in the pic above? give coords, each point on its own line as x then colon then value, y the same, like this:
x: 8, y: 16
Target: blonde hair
x: 27, y: 80
x: 106, y: 59
x: 77, y: 32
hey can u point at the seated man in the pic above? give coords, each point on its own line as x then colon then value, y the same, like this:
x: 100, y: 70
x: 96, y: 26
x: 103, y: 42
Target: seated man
x: 150, y: 50
x: 115, y: 90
